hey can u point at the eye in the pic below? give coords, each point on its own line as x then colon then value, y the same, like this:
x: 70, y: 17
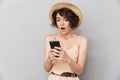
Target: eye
x: 66, y: 19
x: 58, y: 20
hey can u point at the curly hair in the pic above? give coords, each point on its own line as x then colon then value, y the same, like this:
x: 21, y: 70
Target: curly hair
x: 67, y: 13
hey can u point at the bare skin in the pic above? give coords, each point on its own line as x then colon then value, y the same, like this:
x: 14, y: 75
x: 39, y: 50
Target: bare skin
x: 68, y: 39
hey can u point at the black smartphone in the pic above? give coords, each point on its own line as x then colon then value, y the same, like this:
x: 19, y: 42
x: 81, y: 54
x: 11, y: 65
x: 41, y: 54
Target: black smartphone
x: 54, y: 43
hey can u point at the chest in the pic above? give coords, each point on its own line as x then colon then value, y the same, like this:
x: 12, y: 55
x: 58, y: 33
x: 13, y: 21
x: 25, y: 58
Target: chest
x: 71, y: 48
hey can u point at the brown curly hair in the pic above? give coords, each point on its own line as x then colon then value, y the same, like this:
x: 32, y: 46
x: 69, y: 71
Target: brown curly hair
x: 67, y: 13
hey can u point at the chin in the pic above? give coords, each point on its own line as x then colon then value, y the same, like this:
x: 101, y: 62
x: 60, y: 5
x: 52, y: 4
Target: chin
x: 63, y: 33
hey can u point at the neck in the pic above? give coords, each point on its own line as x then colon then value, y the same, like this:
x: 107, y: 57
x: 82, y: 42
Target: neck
x: 67, y: 36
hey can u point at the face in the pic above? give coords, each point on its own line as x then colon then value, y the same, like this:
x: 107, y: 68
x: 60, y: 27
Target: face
x: 63, y: 24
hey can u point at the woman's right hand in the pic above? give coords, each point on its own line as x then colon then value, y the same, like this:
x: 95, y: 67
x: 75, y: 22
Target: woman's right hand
x: 52, y: 56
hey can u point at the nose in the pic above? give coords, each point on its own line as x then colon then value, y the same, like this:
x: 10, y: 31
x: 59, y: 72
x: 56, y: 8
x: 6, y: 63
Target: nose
x: 62, y: 23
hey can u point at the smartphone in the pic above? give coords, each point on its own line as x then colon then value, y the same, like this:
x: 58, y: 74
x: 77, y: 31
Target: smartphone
x: 54, y: 43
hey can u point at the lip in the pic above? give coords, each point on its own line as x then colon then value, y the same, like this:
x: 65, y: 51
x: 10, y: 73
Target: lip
x: 62, y: 29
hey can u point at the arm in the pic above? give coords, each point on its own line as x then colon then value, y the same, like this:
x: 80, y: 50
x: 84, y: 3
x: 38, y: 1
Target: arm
x: 47, y: 61
x: 78, y: 67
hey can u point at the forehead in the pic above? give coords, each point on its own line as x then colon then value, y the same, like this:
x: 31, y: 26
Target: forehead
x: 59, y: 16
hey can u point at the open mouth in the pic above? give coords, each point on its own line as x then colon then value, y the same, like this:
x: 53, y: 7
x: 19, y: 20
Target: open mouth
x: 62, y: 28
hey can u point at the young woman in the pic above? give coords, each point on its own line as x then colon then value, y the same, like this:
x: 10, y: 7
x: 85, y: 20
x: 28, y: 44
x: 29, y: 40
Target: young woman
x: 67, y: 61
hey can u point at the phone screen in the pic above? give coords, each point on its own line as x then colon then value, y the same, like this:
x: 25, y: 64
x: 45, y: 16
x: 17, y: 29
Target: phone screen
x: 54, y: 43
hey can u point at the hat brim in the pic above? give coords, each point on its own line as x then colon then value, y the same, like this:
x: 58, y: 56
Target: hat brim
x: 70, y: 6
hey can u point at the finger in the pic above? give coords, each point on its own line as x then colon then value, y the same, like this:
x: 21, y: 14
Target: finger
x: 51, y: 50
x: 58, y: 48
x: 56, y: 54
x: 53, y: 57
x: 55, y: 51
x: 58, y: 58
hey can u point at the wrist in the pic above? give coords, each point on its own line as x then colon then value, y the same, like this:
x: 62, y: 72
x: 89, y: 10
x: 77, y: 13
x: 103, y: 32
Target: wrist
x: 49, y: 60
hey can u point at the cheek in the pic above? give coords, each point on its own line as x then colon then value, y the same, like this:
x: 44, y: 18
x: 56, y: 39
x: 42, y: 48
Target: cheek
x: 57, y: 23
x: 67, y: 23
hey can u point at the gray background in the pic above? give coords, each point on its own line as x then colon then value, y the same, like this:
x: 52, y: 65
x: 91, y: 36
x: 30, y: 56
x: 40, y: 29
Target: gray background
x: 25, y: 23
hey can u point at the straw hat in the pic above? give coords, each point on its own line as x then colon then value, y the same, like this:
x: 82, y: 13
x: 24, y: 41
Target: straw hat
x: 70, y: 6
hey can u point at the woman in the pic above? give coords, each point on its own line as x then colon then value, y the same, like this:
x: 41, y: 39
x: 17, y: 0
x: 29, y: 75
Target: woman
x: 67, y: 61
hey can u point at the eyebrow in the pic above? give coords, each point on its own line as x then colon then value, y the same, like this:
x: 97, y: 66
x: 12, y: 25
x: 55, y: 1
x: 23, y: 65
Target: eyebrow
x: 59, y: 18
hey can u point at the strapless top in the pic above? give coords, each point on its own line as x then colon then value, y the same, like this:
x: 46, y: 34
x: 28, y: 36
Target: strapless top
x: 60, y: 66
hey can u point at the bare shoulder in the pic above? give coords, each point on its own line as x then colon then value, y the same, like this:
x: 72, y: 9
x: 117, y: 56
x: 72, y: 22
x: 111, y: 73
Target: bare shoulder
x: 49, y: 37
x: 82, y: 39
